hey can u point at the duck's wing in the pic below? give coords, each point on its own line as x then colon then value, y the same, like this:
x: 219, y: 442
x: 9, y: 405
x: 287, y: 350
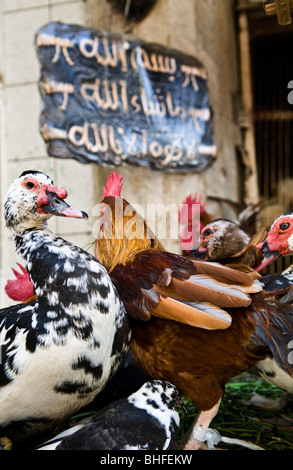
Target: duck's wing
x: 15, y: 323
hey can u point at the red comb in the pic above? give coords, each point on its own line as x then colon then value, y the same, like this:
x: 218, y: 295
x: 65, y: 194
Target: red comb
x: 113, y: 185
x: 196, y: 199
x: 21, y: 288
x: 190, y: 201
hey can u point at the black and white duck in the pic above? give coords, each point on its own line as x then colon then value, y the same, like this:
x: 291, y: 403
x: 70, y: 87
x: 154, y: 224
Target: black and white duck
x: 59, y: 351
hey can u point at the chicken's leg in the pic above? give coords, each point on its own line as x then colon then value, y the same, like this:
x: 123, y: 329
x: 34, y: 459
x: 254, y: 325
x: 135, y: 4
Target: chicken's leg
x: 200, y: 427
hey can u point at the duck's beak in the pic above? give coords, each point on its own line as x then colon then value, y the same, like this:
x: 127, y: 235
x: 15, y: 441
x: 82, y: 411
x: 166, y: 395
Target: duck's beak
x: 51, y: 201
x: 269, y: 256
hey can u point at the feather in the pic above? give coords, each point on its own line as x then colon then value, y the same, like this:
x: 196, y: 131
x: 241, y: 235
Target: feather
x: 210, y: 318
x: 154, y: 276
x: 274, y: 329
x: 225, y: 274
x: 205, y: 289
x: 255, y: 240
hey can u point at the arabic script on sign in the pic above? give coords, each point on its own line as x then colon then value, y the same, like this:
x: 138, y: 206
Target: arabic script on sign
x: 113, y: 100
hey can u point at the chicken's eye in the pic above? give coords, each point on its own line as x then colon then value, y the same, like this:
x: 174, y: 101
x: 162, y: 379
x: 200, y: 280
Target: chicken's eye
x: 29, y: 185
x: 207, y: 232
x: 284, y: 226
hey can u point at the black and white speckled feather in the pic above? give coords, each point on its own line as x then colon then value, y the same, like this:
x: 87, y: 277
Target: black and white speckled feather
x: 58, y: 352
x: 278, y: 281
x: 147, y: 419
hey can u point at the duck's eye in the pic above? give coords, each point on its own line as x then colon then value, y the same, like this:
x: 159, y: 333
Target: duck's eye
x: 29, y: 185
x: 284, y: 226
x: 207, y: 232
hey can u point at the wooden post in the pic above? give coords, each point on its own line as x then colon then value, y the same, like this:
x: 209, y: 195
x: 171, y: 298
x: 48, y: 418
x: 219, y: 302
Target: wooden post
x: 251, y: 193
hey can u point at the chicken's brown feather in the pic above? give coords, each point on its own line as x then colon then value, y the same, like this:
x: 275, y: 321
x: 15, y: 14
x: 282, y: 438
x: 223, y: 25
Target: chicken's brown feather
x: 123, y: 234
x: 200, y: 372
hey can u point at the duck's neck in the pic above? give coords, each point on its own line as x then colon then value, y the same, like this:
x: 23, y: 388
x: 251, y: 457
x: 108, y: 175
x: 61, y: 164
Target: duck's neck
x: 30, y: 239
x: 45, y: 254
x: 65, y: 285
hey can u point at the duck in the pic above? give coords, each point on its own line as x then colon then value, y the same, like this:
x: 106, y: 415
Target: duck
x: 278, y: 281
x: 279, y: 240
x: 146, y: 420
x: 225, y: 241
x: 58, y: 351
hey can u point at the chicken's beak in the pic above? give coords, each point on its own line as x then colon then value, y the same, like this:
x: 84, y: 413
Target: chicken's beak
x: 51, y: 201
x: 269, y: 256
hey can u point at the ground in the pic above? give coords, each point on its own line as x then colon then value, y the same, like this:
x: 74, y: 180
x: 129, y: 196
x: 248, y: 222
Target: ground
x: 268, y: 423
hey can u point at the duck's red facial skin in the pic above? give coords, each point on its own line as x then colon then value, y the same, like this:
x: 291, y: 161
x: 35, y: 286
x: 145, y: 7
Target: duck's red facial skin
x: 50, y: 199
x: 279, y: 241
x: 32, y: 184
x: 43, y: 192
x: 205, y: 236
x: 46, y: 193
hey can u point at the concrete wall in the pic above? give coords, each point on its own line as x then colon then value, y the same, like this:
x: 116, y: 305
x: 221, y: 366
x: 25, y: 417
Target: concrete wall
x: 203, y: 28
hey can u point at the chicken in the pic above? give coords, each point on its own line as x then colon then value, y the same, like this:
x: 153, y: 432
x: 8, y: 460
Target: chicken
x: 197, y: 360
x: 58, y: 352
x: 165, y: 279
x: 146, y: 420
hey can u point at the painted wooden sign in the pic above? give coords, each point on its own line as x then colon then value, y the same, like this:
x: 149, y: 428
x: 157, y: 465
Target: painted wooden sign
x: 114, y: 100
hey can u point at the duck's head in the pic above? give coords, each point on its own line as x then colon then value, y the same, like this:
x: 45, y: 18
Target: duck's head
x: 32, y: 199
x: 279, y: 240
x: 222, y: 239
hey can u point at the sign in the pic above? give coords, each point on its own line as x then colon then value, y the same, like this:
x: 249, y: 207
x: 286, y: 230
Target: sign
x: 114, y: 100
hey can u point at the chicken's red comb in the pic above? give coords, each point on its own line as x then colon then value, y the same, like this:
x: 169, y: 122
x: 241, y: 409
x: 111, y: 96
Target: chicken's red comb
x: 21, y: 288
x: 113, y: 185
x: 190, y: 201
x: 193, y: 199
x: 196, y: 199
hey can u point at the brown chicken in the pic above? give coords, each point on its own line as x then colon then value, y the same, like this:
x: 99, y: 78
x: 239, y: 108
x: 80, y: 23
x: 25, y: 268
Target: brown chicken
x: 198, y: 361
